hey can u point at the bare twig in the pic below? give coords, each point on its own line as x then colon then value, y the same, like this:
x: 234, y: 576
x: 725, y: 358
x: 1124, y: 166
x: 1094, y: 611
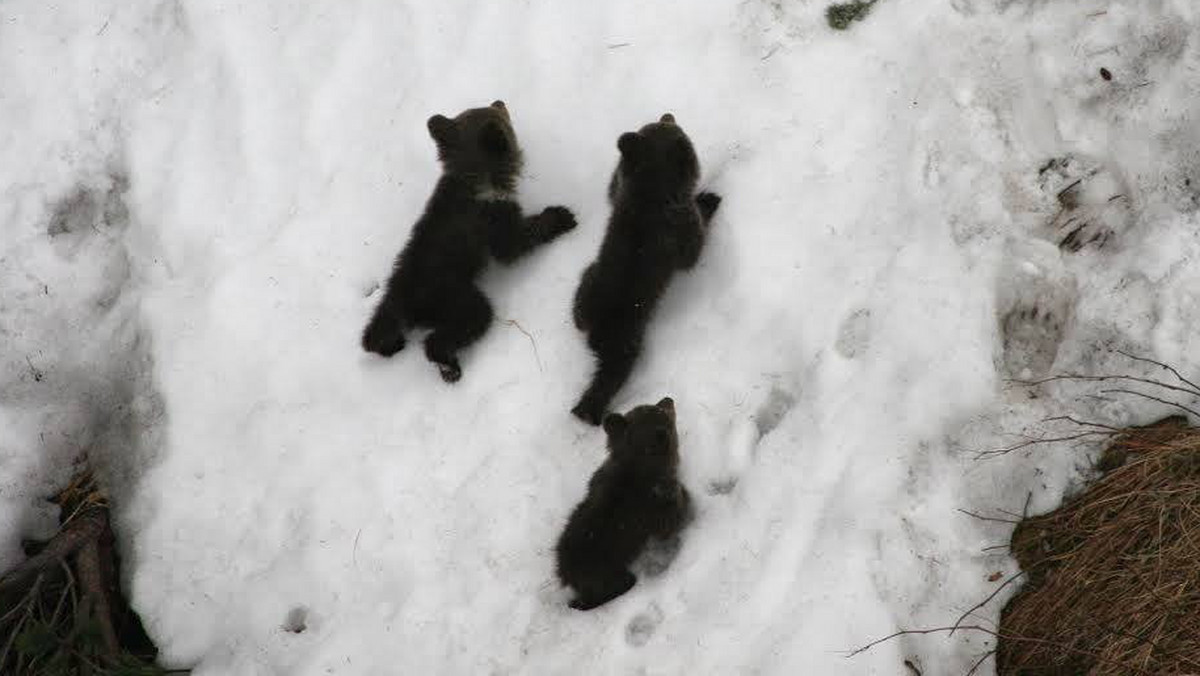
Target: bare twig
x: 1194, y: 386
x: 1043, y: 440
x: 910, y: 632
x: 981, y: 661
x: 1081, y: 423
x: 1095, y: 379
x: 987, y: 518
x: 38, y: 374
x: 1012, y: 578
x: 517, y: 325
x: 1152, y: 398
x: 998, y: 635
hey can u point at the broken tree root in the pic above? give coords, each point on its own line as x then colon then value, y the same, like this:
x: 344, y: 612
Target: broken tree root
x: 81, y: 530
x: 61, y: 610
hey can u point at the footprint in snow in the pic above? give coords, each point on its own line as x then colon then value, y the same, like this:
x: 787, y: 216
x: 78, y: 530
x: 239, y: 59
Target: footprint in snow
x: 1036, y: 299
x: 1094, y: 202
x: 296, y: 621
x: 854, y: 335
x: 643, y: 625
x: 746, y: 434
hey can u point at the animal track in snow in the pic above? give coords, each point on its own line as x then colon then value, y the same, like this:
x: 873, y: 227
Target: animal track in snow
x: 296, y: 621
x: 1036, y: 298
x: 747, y: 433
x: 1093, y: 201
x: 1031, y: 338
x: 779, y: 402
x: 854, y: 335
x: 643, y: 625
x: 87, y: 209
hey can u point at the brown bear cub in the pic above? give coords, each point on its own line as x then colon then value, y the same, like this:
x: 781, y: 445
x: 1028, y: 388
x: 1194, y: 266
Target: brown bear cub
x: 658, y: 226
x: 472, y: 215
x: 635, y: 495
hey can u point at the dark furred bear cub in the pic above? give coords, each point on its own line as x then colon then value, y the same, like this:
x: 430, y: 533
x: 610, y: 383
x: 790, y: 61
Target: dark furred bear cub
x: 471, y: 215
x: 658, y: 226
x: 634, y: 496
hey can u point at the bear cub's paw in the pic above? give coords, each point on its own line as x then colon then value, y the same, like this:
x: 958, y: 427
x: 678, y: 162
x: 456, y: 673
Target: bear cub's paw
x: 554, y: 221
x: 382, y: 340
x: 589, y: 412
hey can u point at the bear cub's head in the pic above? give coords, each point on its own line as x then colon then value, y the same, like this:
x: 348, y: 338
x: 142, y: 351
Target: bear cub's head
x: 656, y: 160
x: 479, y: 145
x: 645, y: 439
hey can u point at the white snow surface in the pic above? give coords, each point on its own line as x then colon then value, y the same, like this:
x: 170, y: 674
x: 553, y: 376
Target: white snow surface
x: 200, y: 199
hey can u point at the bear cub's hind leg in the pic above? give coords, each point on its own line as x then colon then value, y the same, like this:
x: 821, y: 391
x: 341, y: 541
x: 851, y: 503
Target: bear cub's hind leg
x: 604, y: 589
x: 463, y: 320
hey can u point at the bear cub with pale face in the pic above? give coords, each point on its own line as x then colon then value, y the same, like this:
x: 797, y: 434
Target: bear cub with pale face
x: 472, y: 216
x: 634, y: 496
x: 658, y: 225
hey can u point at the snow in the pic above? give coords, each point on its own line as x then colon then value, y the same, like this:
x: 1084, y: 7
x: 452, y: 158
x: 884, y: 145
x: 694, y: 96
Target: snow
x: 838, y: 358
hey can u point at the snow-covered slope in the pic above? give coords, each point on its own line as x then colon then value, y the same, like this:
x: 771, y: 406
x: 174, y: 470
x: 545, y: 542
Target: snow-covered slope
x: 885, y: 256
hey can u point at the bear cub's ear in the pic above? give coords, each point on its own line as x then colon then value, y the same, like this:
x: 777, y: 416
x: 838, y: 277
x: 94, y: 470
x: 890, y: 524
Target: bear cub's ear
x: 667, y: 404
x: 441, y: 128
x: 667, y: 118
x: 615, y: 424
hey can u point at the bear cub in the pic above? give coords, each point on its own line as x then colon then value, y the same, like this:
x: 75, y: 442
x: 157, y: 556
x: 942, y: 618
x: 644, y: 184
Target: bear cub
x: 658, y: 226
x: 471, y: 216
x: 635, y: 495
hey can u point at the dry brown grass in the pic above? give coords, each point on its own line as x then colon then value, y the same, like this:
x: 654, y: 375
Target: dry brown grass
x: 1114, y: 574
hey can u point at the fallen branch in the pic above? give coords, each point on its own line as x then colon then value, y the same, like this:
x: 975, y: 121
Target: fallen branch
x: 84, y: 528
x: 95, y: 596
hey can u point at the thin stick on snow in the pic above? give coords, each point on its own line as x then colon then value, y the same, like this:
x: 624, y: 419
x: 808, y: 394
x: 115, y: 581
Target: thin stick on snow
x: 991, y: 632
x: 1012, y: 578
x: 1153, y: 398
x: 1172, y: 369
x: 515, y: 323
x: 1093, y: 379
x: 981, y: 661
x: 909, y: 632
x: 987, y: 518
x: 1043, y: 440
